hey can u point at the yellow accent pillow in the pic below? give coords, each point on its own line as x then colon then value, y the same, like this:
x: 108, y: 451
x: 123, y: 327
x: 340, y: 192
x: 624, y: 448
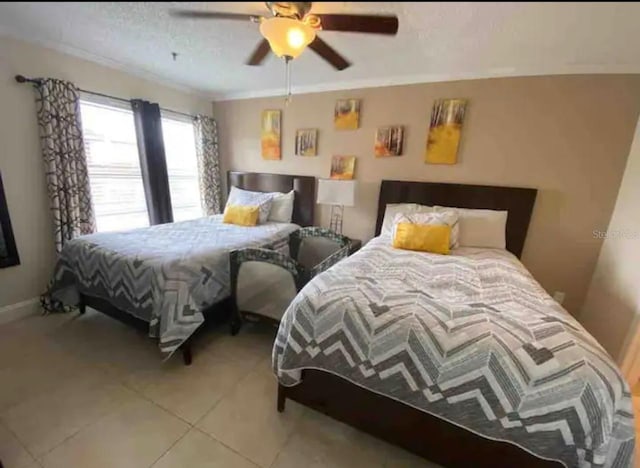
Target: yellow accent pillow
x: 432, y: 238
x: 241, y: 215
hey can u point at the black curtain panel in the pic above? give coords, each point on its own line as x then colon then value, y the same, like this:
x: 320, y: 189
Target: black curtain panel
x: 152, y: 160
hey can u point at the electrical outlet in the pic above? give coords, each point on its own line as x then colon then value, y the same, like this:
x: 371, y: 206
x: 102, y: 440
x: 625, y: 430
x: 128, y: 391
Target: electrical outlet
x: 559, y: 296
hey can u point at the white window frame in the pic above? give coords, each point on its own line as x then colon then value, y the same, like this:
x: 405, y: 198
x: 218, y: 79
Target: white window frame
x: 105, y: 226
x: 169, y: 115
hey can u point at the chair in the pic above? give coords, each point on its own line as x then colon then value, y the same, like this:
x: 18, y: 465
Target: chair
x: 265, y: 281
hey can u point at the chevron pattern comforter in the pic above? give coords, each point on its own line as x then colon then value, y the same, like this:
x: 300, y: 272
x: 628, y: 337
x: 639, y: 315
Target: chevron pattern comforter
x: 471, y: 338
x: 165, y: 274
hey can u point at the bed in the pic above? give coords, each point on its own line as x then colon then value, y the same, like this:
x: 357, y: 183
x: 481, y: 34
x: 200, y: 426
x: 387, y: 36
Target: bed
x: 169, y: 278
x: 462, y: 359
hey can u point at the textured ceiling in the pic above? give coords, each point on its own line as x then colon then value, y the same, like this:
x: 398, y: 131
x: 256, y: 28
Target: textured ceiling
x: 436, y: 41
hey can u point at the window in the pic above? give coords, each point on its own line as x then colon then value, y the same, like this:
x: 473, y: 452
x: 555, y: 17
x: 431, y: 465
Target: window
x: 114, y: 167
x: 182, y: 167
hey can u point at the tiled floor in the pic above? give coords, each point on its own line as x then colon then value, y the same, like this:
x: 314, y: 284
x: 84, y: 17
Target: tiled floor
x: 86, y: 391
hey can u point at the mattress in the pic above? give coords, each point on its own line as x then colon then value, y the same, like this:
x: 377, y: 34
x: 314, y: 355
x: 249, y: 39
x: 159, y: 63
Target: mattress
x: 165, y: 274
x: 469, y: 337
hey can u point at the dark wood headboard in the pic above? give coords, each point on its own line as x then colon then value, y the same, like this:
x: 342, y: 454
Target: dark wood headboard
x: 517, y: 201
x: 305, y: 187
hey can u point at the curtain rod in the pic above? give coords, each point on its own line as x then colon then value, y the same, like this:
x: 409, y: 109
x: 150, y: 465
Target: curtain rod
x: 37, y: 81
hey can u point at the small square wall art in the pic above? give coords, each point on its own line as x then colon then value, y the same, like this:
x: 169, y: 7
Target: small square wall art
x: 445, y: 128
x: 270, y: 135
x: 389, y: 141
x: 343, y: 167
x: 306, y: 142
x: 347, y: 114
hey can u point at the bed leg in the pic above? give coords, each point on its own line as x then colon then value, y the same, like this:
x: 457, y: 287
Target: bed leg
x: 186, y: 354
x: 282, y: 398
x: 236, y: 321
x: 82, y: 307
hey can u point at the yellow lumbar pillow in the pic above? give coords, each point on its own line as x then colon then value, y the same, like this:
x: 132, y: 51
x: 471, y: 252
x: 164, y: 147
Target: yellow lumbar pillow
x: 432, y: 238
x: 241, y: 215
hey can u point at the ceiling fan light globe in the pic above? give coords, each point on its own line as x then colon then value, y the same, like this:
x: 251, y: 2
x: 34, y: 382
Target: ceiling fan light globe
x: 295, y: 38
x: 287, y: 37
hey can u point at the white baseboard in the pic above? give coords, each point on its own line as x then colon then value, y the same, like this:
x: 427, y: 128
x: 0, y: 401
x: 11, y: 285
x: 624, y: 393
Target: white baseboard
x: 19, y: 310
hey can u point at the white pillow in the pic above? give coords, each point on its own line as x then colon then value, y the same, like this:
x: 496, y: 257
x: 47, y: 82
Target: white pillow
x: 282, y: 207
x: 392, y: 209
x: 263, y: 200
x: 481, y: 228
x: 442, y: 218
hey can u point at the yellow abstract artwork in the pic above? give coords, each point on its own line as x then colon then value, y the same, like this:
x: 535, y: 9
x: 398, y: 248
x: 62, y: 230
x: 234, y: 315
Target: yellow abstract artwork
x: 270, y: 135
x: 347, y: 114
x: 343, y: 167
x: 444, y: 131
x: 389, y: 141
x: 306, y: 142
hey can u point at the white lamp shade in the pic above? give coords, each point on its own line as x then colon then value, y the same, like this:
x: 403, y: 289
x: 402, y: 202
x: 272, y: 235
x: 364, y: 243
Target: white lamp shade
x: 336, y: 192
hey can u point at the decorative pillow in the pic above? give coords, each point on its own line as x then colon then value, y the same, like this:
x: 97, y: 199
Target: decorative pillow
x: 282, y: 207
x: 392, y: 209
x: 241, y: 215
x: 443, y: 218
x: 432, y: 238
x: 481, y: 228
x: 262, y: 200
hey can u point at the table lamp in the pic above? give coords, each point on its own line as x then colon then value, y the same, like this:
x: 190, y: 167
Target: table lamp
x: 338, y: 194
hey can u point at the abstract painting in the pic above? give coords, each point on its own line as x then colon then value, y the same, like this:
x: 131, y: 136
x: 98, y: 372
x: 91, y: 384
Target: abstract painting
x: 270, y: 135
x: 389, y: 141
x: 306, y: 142
x: 347, y: 114
x: 343, y: 167
x: 444, y: 131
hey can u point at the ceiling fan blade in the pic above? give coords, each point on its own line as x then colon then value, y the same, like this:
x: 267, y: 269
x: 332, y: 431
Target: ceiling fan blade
x: 199, y: 14
x: 259, y: 53
x: 328, y: 53
x: 371, y: 24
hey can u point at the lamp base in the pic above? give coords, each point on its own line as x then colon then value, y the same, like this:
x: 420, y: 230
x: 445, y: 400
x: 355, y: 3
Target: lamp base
x: 336, y: 218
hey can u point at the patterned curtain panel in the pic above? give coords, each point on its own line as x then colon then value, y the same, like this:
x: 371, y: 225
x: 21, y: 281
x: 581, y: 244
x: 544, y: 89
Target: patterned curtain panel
x: 206, y: 131
x: 58, y: 104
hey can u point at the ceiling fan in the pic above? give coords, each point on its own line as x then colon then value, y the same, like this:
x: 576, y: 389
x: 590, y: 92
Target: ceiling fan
x: 291, y: 28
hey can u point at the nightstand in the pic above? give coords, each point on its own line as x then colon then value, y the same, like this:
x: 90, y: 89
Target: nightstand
x: 354, y: 246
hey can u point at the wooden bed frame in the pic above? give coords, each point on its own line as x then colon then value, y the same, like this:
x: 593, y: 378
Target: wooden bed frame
x: 303, y: 213
x: 421, y: 433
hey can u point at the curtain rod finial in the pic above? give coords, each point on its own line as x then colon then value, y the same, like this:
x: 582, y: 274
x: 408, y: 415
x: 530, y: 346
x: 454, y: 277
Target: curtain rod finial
x: 20, y: 79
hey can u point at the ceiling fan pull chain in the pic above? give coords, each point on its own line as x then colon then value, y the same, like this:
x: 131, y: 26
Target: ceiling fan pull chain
x: 288, y: 97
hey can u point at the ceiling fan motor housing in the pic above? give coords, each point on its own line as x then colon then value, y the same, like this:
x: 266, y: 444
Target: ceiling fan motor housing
x: 296, y: 10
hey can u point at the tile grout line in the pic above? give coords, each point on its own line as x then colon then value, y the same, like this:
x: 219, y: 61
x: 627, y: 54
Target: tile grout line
x: 194, y: 425
x: 286, y: 442
x: 98, y: 419
x: 120, y: 378
x: 97, y: 368
x: 170, y: 447
x: 225, y: 394
x: 210, y: 436
x: 15, y: 436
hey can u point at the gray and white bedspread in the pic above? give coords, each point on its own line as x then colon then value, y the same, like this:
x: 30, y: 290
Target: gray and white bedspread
x: 471, y: 338
x: 165, y: 274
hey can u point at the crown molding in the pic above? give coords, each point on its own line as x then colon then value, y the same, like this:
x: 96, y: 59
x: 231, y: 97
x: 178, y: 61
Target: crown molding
x: 327, y: 86
x: 428, y: 78
x: 106, y: 62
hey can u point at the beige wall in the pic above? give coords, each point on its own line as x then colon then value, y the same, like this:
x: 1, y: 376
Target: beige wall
x: 20, y: 162
x: 567, y: 136
x: 612, y: 305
